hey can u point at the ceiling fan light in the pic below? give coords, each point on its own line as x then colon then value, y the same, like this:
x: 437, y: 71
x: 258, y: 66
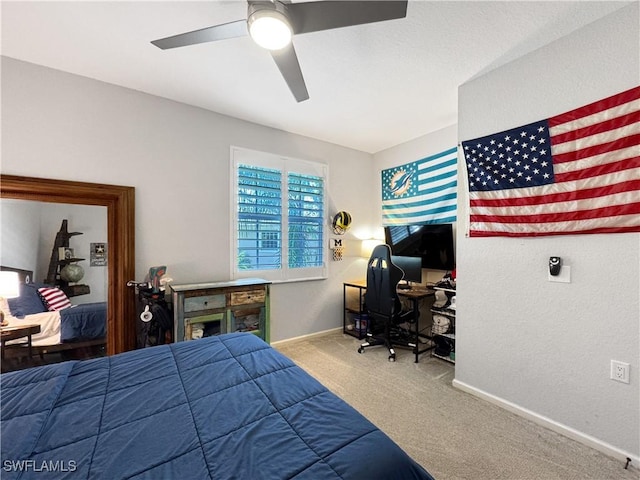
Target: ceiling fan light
x: 270, y: 29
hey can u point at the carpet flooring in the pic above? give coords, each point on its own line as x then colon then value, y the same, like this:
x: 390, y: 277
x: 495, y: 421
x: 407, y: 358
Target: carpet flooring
x: 453, y: 434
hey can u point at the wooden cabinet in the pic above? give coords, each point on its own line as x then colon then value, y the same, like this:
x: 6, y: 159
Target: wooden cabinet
x: 205, y: 309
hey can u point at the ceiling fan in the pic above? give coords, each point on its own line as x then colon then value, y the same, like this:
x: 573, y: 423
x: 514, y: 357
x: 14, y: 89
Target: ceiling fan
x: 271, y: 24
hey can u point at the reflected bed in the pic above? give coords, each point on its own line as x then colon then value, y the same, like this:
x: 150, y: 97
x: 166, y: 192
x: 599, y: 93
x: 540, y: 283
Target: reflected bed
x: 67, y: 328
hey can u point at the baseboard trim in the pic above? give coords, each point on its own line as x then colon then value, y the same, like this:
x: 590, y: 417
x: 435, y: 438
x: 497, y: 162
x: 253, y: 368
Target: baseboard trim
x: 306, y: 337
x: 552, y: 424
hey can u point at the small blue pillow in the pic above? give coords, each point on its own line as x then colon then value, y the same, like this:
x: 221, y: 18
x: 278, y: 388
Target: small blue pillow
x: 29, y: 302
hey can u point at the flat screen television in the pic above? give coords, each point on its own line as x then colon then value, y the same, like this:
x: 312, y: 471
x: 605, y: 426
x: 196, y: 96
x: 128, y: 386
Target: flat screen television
x: 432, y: 243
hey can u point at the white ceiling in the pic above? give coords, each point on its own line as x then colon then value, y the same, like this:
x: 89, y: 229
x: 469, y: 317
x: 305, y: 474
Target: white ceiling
x: 371, y: 86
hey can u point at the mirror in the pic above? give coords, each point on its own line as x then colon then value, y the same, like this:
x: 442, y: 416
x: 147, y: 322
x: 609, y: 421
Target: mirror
x: 29, y: 233
x: 120, y: 203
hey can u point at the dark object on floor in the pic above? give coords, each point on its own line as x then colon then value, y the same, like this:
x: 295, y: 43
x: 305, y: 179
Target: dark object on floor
x: 154, y: 322
x: 444, y: 345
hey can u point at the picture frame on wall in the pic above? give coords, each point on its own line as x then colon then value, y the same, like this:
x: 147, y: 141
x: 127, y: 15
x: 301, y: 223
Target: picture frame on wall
x: 98, y: 254
x: 65, y: 253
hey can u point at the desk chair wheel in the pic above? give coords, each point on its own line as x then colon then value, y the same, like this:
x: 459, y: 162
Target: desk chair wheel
x: 361, y: 350
x: 392, y: 355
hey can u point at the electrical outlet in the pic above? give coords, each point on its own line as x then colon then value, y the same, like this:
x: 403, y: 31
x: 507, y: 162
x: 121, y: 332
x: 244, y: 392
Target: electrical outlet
x: 619, y: 371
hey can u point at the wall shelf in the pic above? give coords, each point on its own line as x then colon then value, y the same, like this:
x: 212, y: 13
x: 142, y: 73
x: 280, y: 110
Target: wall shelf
x: 56, y: 264
x: 443, y: 328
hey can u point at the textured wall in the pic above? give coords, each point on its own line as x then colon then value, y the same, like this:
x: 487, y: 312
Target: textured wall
x: 546, y: 347
x: 176, y: 156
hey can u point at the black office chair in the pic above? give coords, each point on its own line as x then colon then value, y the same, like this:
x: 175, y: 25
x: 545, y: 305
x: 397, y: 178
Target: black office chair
x: 383, y: 305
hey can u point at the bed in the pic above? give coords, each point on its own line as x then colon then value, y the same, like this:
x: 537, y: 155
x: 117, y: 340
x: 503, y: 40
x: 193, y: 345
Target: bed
x: 222, y: 407
x: 61, y: 329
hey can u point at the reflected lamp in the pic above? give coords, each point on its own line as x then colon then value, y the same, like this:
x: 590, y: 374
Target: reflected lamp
x: 367, y: 246
x: 9, y: 288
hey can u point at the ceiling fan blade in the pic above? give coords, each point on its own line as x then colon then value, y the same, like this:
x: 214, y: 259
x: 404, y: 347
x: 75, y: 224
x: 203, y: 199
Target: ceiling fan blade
x: 287, y: 61
x: 325, y: 15
x: 209, y: 34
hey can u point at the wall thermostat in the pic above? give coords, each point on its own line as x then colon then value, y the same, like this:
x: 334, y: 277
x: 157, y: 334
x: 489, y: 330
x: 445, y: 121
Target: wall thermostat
x: 555, y: 264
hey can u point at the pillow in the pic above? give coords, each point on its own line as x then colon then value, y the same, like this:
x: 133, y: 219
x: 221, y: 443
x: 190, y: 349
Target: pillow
x: 28, y: 302
x: 54, y: 298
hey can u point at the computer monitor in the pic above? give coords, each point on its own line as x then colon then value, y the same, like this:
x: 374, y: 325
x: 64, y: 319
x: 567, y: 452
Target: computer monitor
x: 433, y: 243
x: 412, y: 268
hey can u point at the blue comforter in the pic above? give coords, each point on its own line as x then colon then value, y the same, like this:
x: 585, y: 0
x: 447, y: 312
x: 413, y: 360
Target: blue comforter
x: 83, y: 322
x: 217, y: 408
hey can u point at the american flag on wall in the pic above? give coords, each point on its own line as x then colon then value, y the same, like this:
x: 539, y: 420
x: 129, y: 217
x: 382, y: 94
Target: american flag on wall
x: 421, y: 192
x: 575, y: 173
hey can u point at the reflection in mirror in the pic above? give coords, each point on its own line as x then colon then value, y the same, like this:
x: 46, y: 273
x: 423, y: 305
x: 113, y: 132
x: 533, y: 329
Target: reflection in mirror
x: 31, y: 242
x: 28, y: 233
x: 120, y: 211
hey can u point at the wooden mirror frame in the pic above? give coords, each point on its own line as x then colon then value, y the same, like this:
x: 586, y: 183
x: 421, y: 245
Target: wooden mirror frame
x: 120, y: 203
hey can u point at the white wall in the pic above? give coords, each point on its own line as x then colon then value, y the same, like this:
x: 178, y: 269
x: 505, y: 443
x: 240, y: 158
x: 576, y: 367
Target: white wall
x: 542, y: 348
x: 416, y: 149
x: 20, y: 235
x: 91, y: 221
x: 177, y: 157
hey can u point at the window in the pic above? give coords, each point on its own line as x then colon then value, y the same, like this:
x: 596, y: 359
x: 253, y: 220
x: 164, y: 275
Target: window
x: 278, y: 230
x: 270, y: 240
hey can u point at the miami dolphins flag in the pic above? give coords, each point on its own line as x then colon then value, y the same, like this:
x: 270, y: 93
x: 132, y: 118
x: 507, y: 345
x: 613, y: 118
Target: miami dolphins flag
x: 421, y: 192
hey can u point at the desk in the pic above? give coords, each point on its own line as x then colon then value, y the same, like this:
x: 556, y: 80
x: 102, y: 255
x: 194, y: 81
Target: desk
x: 353, y: 311
x: 414, y: 295
x: 14, y: 333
